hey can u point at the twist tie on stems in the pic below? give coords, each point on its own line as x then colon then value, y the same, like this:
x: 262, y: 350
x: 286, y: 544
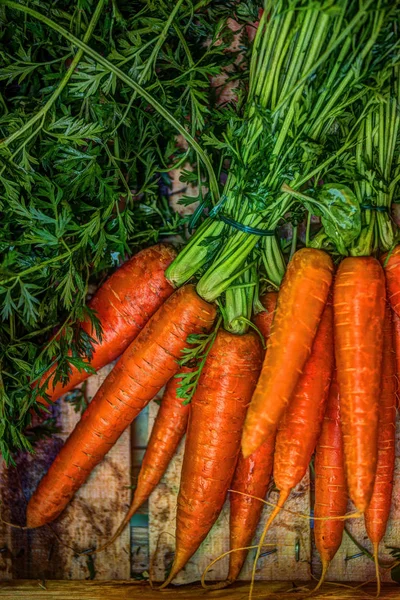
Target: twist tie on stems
x: 243, y: 228
x: 381, y: 209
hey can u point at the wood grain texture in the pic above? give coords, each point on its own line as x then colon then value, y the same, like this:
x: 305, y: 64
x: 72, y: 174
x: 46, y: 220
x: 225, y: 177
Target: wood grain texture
x: 284, y: 534
x: 50, y: 552
x: 128, y: 590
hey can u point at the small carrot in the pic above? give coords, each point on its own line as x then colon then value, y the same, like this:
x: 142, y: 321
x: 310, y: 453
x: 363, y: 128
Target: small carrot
x: 359, y: 310
x: 391, y: 264
x: 252, y: 474
x: 330, y: 483
x: 301, y: 301
x: 123, y: 305
x: 213, y: 438
x: 396, y: 334
x: 168, y: 430
x: 146, y: 365
x: 377, y: 514
x: 300, y: 427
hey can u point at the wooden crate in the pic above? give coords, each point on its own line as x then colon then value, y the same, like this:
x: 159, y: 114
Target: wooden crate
x: 50, y: 553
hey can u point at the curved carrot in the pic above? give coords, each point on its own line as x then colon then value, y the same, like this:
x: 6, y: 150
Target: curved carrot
x: 146, y: 365
x: 123, y: 305
x: 330, y: 483
x: 391, y: 264
x: 300, y: 427
x: 377, y: 514
x: 168, y: 430
x: 396, y: 335
x: 213, y: 438
x: 301, y: 301
x: 359, y: 310
x: 252, y: 475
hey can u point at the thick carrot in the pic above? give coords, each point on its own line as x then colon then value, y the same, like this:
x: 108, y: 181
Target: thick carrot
x: 168, y: 430
x: 123, y: 304
x: 146, y: 365
x: 301, y: 424
x: 359, y: 310
x: 301, y: 301
x: 330, y: 483
x: 396, y: 334
x: 377, y: 514
x: 252, y: 474
x: 391, y: 264
x: 213, y: 438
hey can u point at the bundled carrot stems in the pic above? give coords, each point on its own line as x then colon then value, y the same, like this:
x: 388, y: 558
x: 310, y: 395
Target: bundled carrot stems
x: 273, y: 327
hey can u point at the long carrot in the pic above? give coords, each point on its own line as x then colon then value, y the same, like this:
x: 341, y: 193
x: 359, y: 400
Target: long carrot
x: 377, y: 514
x: 330, y: 483
x: 300, y: 427
x: 359, y: 310
x: 123, y: 305
x: 168, y: 430
x: 146, y: 365
x: 396, y: 334
x: 301, y: 301
x: 391, y: 264
x: 213, y: 438
x: 252, y: 474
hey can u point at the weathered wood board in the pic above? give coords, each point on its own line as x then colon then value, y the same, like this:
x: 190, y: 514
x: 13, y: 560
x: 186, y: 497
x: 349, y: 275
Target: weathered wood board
x: 286, y: 535
x: 128, y: 590
x: 50, y: 552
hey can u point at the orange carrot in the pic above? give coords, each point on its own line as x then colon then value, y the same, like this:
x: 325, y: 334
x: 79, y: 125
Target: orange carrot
x: 396, y: 334
x: 252, y: 477
x: 168, y: 430
x: 252, y: 474
x: 301, y: 301
x: 377, y: 514
x: 300, y: 427
x: 330, y: 483
x: 213, y: 438
x: 391, y: 264
x: 146, y: 365
x: 123, y: 305
x: 359, y: 310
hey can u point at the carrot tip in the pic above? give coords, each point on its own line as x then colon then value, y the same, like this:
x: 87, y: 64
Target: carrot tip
x: 376, y: 561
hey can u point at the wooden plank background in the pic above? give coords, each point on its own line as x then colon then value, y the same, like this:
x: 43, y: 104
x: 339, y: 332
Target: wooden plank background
x: 114, y: 590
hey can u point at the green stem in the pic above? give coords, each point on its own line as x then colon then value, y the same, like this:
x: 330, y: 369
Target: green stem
x: 308, y: 229
x: 151, y: 61
x: 345, y: 33
x: 37, y: 267
x: 239, y: 303
x: 273, y: 260
x: 64, y: 81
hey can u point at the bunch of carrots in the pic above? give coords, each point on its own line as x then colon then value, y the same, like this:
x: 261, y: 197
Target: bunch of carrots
x: 278, y: 376
x: 324, y: 383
